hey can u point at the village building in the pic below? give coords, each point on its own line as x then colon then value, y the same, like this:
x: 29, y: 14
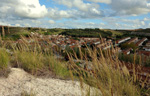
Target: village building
x: 147, y: 48
x: 140, y: 42
x: 133, y: 40
x: 127, y: 51
x: 146, y: 53
x: 122, y: 40
x: 148, y: 43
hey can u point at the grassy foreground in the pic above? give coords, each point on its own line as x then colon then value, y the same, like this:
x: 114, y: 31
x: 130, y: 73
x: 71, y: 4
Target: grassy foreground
x: 33, y: 59
x: 106, y: 73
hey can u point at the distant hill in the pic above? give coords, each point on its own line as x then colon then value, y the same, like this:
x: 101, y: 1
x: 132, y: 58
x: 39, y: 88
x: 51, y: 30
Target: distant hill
x: 147, y: 30
x: 136, y: 32
x: 12, y: 30
x: 87, y: 32
x: 114, y: 32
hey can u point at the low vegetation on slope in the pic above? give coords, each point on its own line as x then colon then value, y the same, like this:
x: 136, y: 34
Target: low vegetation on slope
x: 33, y: 59
x: 106, y: 73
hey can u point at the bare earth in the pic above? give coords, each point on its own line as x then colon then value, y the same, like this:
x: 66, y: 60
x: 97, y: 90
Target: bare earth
x: 19, y: 81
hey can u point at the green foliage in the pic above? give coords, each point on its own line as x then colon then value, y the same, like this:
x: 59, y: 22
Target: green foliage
x: 16, y: 36
x: 127, y: 58
x: 147, y: 62
x: 39, y: 62
x: 4, y: 59
x: 142, y: 60
x: 86, y: 33
x: 131, y: 45
x: 59, y: 68
x: 53, y: 31
x: 33, y: 62
x: 30, y: 61
x: 4, y: 63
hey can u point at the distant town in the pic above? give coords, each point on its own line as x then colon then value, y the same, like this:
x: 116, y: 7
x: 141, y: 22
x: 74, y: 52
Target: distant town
x: 62, y: 41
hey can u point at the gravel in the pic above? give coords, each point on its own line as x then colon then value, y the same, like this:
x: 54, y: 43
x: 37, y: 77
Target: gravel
x: 19, y: 81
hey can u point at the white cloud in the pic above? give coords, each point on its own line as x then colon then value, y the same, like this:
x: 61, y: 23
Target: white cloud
x: 23, y: 8
x: 146, y: 19
x: 51, y: 21
x: 91, y: 23
x: 36, y: 21
x: 79, y: 4
x: 101, y: 1
x: 30, y: 9
x: 4, y: 23
x: 130, y: 7
x: 122, y: 23
x: 27, y: 25
x: 81, y: 8
x: 18, y: 25
x: 143, y: 23
x: 55, y: 13
x: 74, y: 12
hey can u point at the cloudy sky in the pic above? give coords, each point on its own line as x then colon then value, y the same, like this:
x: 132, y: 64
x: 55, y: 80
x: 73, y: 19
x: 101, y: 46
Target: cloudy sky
x: 112, y: 14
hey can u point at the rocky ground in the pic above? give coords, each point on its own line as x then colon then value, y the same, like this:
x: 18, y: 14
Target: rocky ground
x: 19, y: 81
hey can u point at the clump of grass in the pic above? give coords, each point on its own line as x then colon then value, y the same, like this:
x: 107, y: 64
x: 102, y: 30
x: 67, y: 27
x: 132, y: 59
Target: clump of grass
x: 39, y: 64
x: 30, y: 61
x: 37, y: 61
x: 24, y: 93
x: 106, y: 73
x: 4, y: 63
x: 59, y: 68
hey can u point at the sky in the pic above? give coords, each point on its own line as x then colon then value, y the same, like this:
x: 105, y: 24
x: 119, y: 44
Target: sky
x: 104, y: 14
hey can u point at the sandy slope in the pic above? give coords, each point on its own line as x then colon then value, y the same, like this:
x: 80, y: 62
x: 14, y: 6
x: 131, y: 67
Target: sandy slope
x: 19, y: 81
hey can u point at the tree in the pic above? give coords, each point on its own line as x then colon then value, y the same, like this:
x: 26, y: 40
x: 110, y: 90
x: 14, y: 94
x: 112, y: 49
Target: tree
x: 3, y: 31
x: 131, y: 45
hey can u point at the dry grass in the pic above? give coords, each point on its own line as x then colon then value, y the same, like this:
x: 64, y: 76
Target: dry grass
x: 34, y: 59
x: 106, y: 73
x: 24, y: 93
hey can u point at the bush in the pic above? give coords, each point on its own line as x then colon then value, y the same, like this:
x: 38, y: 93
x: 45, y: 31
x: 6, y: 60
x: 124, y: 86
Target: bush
x: 4, y: 61
x: 39, y: 63
x: 59, y: 68
x: 30, y: 61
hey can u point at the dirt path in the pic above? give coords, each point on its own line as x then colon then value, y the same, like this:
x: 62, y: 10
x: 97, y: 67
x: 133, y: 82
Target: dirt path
x: 19, y: 81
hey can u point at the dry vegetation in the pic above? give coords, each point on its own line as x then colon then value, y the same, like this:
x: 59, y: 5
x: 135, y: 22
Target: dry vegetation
x: 106, y: 73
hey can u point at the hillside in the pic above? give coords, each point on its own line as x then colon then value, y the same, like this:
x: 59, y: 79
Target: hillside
x: 113, y: 32
x: 15, y: 32
x: 87, y: 32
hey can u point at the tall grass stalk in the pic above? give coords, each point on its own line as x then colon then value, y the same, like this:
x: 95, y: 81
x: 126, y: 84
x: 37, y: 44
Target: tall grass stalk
x: 33, y: 57
x: 106, y: 73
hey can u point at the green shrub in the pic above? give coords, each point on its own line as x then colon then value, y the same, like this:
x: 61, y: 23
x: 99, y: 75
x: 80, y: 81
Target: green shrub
x: 30, y: 61
x: 38, y: 63
x: 59, y: 68
x: 4, y: 61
